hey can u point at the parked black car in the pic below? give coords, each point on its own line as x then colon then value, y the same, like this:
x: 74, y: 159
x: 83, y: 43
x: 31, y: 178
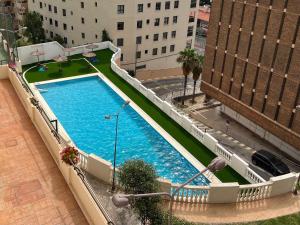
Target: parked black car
x: 269, y: 163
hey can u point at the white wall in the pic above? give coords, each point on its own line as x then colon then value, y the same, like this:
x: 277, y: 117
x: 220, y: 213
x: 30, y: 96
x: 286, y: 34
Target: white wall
x: 3, y: 72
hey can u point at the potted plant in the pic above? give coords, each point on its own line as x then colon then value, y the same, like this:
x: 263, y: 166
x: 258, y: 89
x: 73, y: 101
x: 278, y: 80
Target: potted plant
x: 70, y: 154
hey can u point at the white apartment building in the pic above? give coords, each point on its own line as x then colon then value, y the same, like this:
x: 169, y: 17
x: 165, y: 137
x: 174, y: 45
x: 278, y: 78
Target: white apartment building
x: 150, y: 33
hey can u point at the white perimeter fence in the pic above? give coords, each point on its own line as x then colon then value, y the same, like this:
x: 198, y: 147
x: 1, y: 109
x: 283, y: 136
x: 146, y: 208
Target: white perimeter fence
x: 214, y: 193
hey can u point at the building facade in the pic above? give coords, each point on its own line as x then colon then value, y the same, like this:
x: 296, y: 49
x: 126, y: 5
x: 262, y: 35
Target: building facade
x: 150, y: 33
x: 16, y: 8
x: 253, y: 63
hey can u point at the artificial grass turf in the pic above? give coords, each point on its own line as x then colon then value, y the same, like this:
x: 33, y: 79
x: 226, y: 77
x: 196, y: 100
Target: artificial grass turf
x: 199, y: 151
x: 68, y: 69
x: 203, y: 154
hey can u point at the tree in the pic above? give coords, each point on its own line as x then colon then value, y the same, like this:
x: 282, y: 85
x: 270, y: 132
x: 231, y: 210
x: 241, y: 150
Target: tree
x: 138, y: 177
x: 187, y: 60
x: 59, y: 39
x: 34, y: 24
x: 197, y: 70
x: 105, y: 36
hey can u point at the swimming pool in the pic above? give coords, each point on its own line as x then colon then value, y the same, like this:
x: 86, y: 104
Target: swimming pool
x: 81, y: 105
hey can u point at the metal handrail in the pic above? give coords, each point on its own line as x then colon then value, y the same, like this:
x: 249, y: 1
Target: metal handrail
x: 91, y: 191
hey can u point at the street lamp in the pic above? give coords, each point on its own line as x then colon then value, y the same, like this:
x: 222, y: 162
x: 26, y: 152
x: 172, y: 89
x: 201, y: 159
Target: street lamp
x: 108, y: 117
x: 121, y: 200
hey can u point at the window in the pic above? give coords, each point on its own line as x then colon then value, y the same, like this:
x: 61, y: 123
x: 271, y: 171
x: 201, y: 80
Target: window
x: 163, y: 49
x: 141, y: 67
x: 51, y: 34
x: 156, y: 22
x: 138, y: 54
x: 65, y: 26
x: 139, y: 24
x: 157, y: 5
x: 120, y: 9
x: 65, y: 40
x: 82, y: 20
x: 149, y: 5
x: 82, y: 4
x: 140, y: 7
x: 83, y: 35
x: 96, y: 20
x: 120, y: 26
x: 64, y: 12
x: 73, y: 42
x: 96, y: 36
x: 155, y: 37
x: 176, y: 4
x: 41, y: 5
x: 42, y: 18
x: 191, y: 19
x: 72, y: 28
x: 166, y: 20
x: 154, y: 51
x: 122, y: 57
x: 146, y: 51
x: 175, y: 18
x: 56, y: 23
x: 148, y: 21
x: 120, y: 42
x: 165, y: 35
x: 173, y: 34
x: 71, y: 13
x: 49, y: 8
x: 50, y: 21
x: 193, y: 3
x: 139, y: 40
x: 96, y: 4
x: 147, y: 36
x: 55, y: 9
x: 172, y: 48
x: 167, y: 5
x: 190, y: 31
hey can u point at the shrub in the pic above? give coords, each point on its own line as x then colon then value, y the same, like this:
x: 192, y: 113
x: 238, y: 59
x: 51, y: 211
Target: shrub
x: 138, y: 177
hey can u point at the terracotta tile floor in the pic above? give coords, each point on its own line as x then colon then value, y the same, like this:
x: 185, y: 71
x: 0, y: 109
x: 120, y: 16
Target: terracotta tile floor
x: 32, y: 189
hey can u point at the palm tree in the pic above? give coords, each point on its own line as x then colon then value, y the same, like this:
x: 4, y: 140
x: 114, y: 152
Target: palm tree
x: 187, y: 60
x: 197, y: 70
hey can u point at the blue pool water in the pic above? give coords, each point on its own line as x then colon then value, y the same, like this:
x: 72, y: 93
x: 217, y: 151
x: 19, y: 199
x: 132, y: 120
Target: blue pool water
x: 81, y: 105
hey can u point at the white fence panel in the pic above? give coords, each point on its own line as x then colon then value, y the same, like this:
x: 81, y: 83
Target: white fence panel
x: 210, y: 142
x: 197, y: 133
x: 50, y: 50
x: 223, y: 152
x: 186, y: 123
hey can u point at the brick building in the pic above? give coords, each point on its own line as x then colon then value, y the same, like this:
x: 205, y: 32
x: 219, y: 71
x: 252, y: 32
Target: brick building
x: 253, y: 63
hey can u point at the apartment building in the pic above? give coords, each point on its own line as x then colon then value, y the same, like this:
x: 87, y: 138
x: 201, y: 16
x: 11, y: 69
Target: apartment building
x: 252, y: 65
x: 16, y: 8
x: 150, y: 33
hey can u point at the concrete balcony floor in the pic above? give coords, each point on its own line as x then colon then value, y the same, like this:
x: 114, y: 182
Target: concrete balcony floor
x: 32, y: 189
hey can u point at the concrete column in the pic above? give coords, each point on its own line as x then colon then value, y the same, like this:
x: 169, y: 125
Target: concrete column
x: 223, y: 193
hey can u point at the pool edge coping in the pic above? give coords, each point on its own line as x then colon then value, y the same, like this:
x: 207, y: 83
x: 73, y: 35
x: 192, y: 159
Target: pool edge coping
x: 175, y: 144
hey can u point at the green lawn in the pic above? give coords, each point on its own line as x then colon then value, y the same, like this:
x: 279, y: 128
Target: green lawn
x: 203, y: 154
x: 68, y: 69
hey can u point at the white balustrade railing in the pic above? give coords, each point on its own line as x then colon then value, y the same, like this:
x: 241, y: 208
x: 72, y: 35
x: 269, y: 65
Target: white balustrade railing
x: 193, y: 194
x: 205, y: 138
x: 254, y: 192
